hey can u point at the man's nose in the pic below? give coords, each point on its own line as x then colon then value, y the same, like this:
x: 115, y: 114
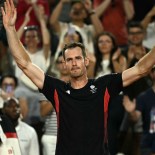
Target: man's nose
x: 74, y: 62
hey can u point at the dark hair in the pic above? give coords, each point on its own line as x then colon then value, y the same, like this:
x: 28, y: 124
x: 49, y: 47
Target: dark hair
x: 60, y: 54
x: 98, y: 53
x: 31, y: 28
x: 75, y: 1
x: 134, y: 24
x: 80, y: 36
x: 73, y: 45
x: 9, y: 76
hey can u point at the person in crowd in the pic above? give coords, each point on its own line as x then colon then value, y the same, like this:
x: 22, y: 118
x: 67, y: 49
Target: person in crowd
x: 9, y: 142
x: 27, y: 136
x: 80, y: 10
x: 109, y: 58
x: 135, y: 49
x: 143, y: 105
x: 134, y: 52
x: 8, y: 86
x: 114, y: 15
x: 82, y: 104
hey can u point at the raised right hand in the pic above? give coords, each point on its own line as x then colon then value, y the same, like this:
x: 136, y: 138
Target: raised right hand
x: 9, y: 14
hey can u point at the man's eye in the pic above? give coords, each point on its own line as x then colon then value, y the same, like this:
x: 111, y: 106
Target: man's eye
x: 68, y: 60
x: 78, y: 58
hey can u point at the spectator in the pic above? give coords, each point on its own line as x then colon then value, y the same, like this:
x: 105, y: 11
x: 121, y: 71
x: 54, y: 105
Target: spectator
x: 8, y: 85
x: 108, y: 56
x: 114, y: 16
x: 135, y: 49
x: 143, y: 106
x: 27, y: 136
x: 133, y: 52
x: 9, y: 142
x: 78, y: 13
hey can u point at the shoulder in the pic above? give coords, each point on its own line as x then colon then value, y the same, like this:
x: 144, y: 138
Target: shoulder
x: 26, y: 127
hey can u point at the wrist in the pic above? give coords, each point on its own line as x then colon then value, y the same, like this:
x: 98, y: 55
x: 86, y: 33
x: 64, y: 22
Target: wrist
x: 91, y: 12
x: 10, y: 28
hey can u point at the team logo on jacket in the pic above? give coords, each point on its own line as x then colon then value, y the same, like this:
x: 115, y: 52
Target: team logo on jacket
x: 68, y: 92
x: 93, y: 89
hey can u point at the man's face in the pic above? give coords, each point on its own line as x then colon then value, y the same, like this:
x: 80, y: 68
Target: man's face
x: 75, y: 62
x: 12, y: 110
x: 78, y: 11
x: 135, y: 36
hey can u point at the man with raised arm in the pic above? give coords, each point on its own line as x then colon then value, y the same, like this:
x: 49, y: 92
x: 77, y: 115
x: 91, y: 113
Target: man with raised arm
x: 82, y: 104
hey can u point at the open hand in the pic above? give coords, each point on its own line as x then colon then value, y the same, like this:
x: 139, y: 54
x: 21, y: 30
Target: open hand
x: 9, y: 14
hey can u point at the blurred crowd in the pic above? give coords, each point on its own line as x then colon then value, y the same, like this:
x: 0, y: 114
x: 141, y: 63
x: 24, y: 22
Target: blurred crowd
x: 116, y: 34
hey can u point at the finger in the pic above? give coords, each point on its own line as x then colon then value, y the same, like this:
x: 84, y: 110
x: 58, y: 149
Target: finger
x: 29, y: 10
x: 8, y: 8
x: 5, y: 7
x: 3, y: 12
x: 12, y: 4
x: 14, y: 14
x: 12, y: 7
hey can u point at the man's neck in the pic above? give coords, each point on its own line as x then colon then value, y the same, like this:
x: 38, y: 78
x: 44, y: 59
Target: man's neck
x: 14, y: 122
x: 65, y: 78
x: 79, y: 82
